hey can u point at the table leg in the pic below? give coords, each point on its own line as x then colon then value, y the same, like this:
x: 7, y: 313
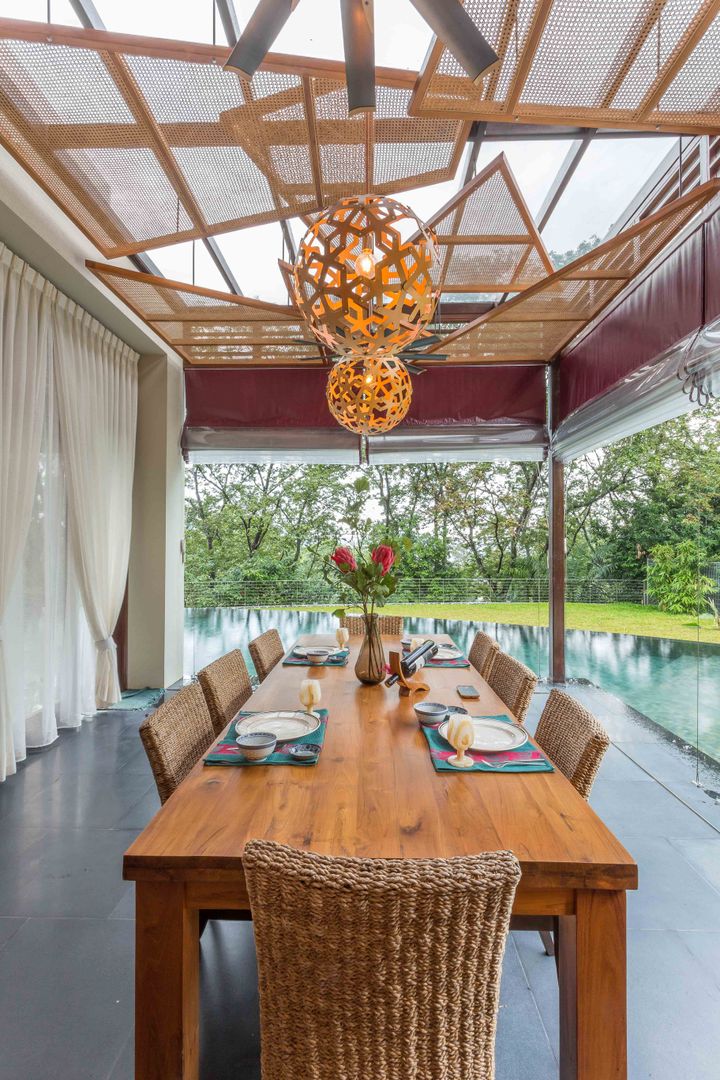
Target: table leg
x: 167, y: 970
x: 592, y: 970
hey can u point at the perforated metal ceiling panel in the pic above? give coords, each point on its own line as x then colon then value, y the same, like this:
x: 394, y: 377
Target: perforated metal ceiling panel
x: 537, y: 324
x: 146, y: 142
x: 634, y: 64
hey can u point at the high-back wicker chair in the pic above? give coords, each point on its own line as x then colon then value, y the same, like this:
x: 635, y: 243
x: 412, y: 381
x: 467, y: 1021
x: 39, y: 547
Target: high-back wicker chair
x: 266, y: 651
x: 226, y: 686
x: 176, y: 736
x: 574, y: 739
x: 482, y: 653
x: 392, y: 625
x: 435, y: 930
x: 513, y: 682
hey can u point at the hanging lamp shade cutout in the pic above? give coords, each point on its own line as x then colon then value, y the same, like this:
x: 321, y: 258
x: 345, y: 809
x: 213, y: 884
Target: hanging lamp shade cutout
x: 369, y: 396
x: 361, y: 283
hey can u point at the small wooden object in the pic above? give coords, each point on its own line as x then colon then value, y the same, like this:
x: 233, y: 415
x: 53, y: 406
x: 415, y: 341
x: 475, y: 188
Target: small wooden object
x: 460, y: 735
x: 405, y: 685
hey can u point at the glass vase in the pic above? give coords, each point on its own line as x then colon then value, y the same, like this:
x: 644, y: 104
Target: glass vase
x: 370, y: 664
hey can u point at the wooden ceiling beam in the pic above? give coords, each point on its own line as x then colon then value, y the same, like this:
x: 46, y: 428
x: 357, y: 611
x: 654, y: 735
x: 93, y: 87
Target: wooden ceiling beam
x: 128, y: 87
x: 524, y: 64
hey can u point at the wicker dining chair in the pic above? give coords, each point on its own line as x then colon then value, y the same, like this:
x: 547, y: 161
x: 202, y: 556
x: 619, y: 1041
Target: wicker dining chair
x: 574, y: 739
x: 226, y: 686
x: 176, y: 736
x: 266, y: 650
x: 392, y: 625
x: 405, y: 954
x: 513, y: 682
x: 576, y: 742
x: 483, y: 652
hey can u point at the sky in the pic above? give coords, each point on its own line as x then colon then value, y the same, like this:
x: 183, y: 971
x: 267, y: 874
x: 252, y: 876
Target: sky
x: 608, y: 176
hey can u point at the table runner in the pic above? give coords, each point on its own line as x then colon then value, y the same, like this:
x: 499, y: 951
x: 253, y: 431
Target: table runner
x: 227, y: 751
x: 526, y: 758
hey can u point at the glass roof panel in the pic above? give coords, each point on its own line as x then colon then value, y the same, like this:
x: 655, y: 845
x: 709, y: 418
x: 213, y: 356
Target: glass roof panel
x: 610, y: 173
x: 535, y: 164
x: 253, y: 257
x: 160, y: 18
x: 61, y: 11
x: 176, y: 262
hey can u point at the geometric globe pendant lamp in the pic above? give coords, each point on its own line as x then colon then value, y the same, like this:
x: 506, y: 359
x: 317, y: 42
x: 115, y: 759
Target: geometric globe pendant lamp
x: 363, y: 276
x: 363, y: 282
x: 369, y: 395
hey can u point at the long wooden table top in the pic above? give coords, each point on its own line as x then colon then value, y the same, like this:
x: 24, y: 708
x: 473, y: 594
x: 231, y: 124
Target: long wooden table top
x: 374, y: 793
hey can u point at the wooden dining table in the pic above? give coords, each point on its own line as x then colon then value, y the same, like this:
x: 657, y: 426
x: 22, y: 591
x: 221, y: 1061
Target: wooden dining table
x: 374, y: 793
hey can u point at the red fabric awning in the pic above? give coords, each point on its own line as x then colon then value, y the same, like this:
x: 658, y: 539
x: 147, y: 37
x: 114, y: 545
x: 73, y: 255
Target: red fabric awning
x: 293, y: 397
x: 679, y: 296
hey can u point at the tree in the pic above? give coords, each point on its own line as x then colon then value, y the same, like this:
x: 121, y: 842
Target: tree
x: 675, y: 580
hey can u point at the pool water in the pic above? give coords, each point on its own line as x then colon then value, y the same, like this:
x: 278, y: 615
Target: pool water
x: 666, y: 680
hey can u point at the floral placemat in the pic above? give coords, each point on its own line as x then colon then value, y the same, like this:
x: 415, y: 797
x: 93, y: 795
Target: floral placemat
x: 525, y: 759
x: 340, y: 659
x: 227, y: 751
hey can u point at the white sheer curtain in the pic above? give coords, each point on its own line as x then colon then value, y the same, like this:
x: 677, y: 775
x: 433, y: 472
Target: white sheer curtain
x: 96, y: 379
x: 68, y: 403
x: 26, y: 301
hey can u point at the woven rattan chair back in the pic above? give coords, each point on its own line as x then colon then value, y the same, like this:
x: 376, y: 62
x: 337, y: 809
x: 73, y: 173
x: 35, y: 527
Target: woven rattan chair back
x: 226, y: 686
x: 392, y: 625
x: 513, y: 682
x: 405, y: 955
x: 266, y: 651
x: 482, y: 653
x: 176, y: 736
x: 574, y: 739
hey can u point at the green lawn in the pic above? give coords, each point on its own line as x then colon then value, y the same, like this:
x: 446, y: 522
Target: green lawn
x: 612, y: 618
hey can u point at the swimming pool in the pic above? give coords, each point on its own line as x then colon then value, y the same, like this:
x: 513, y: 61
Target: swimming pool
x: 657, y: 676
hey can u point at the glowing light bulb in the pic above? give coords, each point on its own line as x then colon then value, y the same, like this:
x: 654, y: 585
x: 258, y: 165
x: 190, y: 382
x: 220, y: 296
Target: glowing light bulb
x: 365, y: 264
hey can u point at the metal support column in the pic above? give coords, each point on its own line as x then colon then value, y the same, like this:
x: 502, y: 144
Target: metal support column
x: 556, y: 551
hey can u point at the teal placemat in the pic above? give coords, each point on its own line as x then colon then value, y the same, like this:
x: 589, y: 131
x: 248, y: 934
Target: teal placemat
x: 298, y: 661
x: 527, y: 758
x: 227, y: 751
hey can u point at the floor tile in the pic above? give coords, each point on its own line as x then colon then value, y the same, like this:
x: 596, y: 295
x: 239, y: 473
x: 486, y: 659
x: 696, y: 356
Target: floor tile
x: 69, y: 872
x: 640, y: 809
x: 522, y: 1047
x: 83, y: 800
x: 8, y: 928
x: 66, y: 992
x: 703, y: 856
x: 671, y: 896
x: 673, y: 1010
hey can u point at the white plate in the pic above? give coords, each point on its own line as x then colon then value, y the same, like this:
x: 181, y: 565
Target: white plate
x: 492, y: 736
x: 284, y: 725
x: 319, y: 652
x: 447, y: 652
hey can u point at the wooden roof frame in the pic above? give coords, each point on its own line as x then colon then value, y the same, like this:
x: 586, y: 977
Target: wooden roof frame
x: 114, y: 238
x: 267, y: 313
x: 531, y: 240
x: 646, y: 117
x: 512, y: 312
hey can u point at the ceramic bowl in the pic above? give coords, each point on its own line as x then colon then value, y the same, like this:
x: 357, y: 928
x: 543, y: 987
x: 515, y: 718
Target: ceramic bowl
x: 306, y: 751
x: 430, y: 713
x: 256, y: 745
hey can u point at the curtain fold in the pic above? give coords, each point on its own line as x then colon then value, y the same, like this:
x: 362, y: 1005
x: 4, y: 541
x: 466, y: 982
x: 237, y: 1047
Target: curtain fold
x: 26, y: 302
x: 96, y: 380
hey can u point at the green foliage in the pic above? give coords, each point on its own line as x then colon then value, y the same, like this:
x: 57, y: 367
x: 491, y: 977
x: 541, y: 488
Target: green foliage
x: 455, y: 521
x: 675, y: 580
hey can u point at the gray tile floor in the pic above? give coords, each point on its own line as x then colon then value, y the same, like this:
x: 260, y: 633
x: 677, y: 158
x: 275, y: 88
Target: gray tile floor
x: 66, y: 931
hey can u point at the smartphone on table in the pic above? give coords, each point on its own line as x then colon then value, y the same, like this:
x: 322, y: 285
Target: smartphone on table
x: 468, y: 691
